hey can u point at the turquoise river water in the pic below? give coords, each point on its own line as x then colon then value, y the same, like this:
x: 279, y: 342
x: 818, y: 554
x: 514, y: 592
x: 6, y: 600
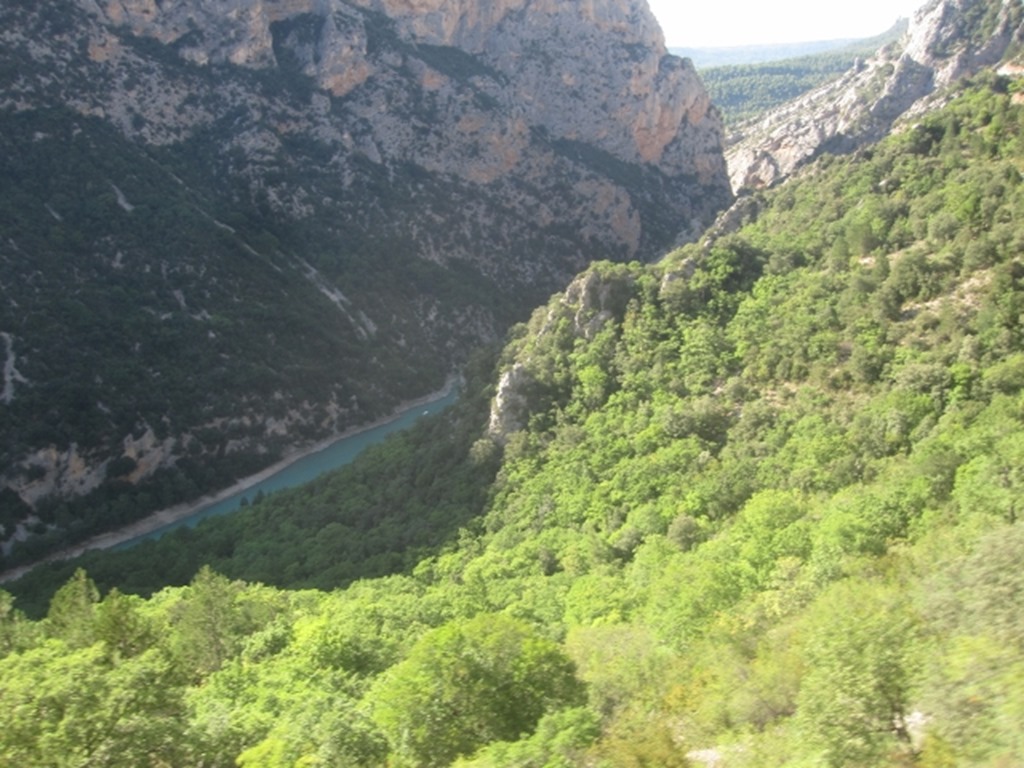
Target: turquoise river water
x: 308, y: 467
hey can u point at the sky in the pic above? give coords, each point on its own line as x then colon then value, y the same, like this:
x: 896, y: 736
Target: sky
x: 717, y: 23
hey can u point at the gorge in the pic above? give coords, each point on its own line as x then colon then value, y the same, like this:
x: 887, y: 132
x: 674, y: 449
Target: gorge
x: 755, y: 501
x: 233, y: 228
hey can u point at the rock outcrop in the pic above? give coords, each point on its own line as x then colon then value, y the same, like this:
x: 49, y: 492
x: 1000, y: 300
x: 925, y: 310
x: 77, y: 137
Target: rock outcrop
x: 234, y: 211
x: 946, y: 40
x: 595, y: 298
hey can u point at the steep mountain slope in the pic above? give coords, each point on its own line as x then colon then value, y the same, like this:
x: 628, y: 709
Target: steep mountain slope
x: 229, y: 228
x: 757, y: 504
x: 946, y: 40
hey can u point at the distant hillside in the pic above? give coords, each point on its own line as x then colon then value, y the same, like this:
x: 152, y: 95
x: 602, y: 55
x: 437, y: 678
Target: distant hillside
x: 709, y: 58
x: 754, y: 84
x: 758, y: 504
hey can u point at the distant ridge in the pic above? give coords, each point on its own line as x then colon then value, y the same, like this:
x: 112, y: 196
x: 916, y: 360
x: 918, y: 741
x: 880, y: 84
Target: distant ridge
x: 756, y: 54
x: 727, y: 56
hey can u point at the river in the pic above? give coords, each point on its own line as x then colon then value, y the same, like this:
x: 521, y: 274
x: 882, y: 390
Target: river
x: 288, y: 473
x: 306, y: 467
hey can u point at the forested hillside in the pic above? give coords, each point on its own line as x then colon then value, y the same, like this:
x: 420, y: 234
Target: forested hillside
x: 744, y: 91
x: 755, y: 505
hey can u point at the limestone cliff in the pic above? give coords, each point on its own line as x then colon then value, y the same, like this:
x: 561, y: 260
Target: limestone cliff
x: 248, y: 224
x: 595, y: 71
x: 946, y: 40
x: 485, y: 92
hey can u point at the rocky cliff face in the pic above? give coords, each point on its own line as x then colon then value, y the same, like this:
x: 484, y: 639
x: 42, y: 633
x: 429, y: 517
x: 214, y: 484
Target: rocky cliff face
x: 238, y: 225
x: 594, y: 71
x: 525, y: 387
x: 946, y: 40
x: 484, y: 92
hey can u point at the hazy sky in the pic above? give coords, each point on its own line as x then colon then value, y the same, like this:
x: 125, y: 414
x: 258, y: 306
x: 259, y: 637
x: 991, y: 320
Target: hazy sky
x: 702, y: 23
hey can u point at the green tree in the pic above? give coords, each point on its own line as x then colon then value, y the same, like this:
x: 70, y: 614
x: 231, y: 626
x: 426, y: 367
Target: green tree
x: 323, y: 730
x: 560, y: 741
x: 468, y: 683
x: 15, y: 631
x: 974, y: 686
x: 66, y: 707
x: 855, y: 697
x: 121, y: 626
x: 991, y: 483
x: 623, y: 665
x: 72, y: 614
x: 211, y: 620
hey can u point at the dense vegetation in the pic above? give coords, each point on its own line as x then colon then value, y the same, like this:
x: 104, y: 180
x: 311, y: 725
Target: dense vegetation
x: 377, y: 516
x: 743, y: 91
x: 765, y: 511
